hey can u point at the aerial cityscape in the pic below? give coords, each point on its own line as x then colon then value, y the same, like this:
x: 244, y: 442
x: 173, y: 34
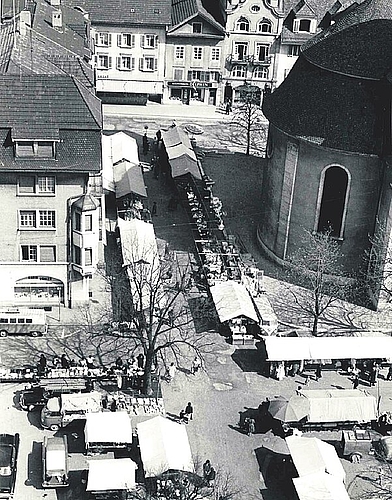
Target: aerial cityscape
x: 195, y: 256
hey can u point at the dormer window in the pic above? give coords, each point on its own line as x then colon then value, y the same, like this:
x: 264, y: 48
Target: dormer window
x: 196, y: 27
x: 304, y: 26
x: 242, y: 24
x: 265, y: 26
x: 34, y: 149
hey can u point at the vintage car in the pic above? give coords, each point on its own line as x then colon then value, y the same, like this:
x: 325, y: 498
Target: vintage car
x: 9, y: 446
x: 55, y: 462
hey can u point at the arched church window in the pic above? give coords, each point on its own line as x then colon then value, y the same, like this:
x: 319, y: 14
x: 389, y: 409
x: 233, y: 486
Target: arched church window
x: 334, y: 188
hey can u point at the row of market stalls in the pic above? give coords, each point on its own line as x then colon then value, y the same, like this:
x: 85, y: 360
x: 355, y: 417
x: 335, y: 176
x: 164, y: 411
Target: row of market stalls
x: 236, y: 287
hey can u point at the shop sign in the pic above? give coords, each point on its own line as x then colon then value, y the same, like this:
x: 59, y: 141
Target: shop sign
x: 194, y: 84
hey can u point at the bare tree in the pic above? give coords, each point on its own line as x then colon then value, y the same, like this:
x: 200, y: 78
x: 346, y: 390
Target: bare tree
x: 316, y: 268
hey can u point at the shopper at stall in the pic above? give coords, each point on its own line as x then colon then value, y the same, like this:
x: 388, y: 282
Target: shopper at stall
x: 64, y: 362
x: 90, y: 361
x: 119, y: 363
x: 146, y: 145
x: 140, y: 361
x: 189, y: 410
x: 318, y: 372
x: 355, y: 381
x: 42, y: 364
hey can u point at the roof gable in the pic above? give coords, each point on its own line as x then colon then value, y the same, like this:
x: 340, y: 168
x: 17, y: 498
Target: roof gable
x: 184, y: 11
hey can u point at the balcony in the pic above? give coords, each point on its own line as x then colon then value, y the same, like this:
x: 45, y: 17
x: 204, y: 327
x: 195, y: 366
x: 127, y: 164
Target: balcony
x: 266, y: 61
x: 239, y: 59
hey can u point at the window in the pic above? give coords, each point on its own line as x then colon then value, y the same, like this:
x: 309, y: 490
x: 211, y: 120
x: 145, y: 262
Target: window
x: 33, y: 184
x: 261, y: 73
x: 262, y: 52
x: 255, y: 8
x: 45, y: 184
x: 125, y: 63
x: 103, y: 61
x: 302, y: 25
x: 178, y: 74
x: 149, y: 41
x: 334, y: 188
x: 88, y: 222
x: 29, y: 253
x: 34, y: 149
x: 27, y: 184
x: 148, y: 63
x: 77, y: 255
x: 242, y: 24
x: 265, y: 26
x: 203, y: 76
x: 180, y: 52
x: 41, y: 219
x: 239, y: 71
x: 196, y: 27
x: 47, y: 253
x: 215, y: 54
x: 88, y: 256
x: 126, y: 40
x: 103, y: 39
x: 240, y: 51
x: 78, y: 221
x: 197, y: 53
x: 294, y: 50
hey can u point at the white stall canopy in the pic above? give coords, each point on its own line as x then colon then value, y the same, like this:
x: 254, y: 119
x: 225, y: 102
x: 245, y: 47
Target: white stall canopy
x: 232, y: 300
x: 181, y: 155
x: 138, y: 243
x: 164, y: 446
x: 108, y: 427
x: 111, y: 474
x: 325, y: 348
x: 320, y: 486
x: 311, y: 455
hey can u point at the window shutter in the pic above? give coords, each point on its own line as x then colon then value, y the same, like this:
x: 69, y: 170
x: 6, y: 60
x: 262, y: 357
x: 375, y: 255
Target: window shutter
x: 132, y: 41
x: 155, y: 64
x: 132, y: 63
x: 141, y: 64
x: 118, y: 62
x: 119, y: 40
x: 156, y: 41
x: 296, y: 25
x: 96, y: 60
x: 109, y: 62
x: 96, y: 39
x: 109, y: 39
x: 142, y: 41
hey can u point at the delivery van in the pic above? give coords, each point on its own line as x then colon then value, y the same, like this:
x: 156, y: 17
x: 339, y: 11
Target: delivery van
x: 36, y: 395
x: 61, y: 410
x: 55, y: 462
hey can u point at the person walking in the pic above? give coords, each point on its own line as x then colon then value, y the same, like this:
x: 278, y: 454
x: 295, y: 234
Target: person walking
x: 140, y: 361
x: 251, y: 426
x: 42, y: 363
x: 64, y: 362
x: 318, y: 372
x: 196, y: 365
x: 189, y: 411
x: 146, y: 145
x: 355, y: 381
x: 154, y: 209
x: 171, y: 372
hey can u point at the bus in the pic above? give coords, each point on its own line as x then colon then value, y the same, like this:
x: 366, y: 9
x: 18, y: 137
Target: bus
x: 17, y: 321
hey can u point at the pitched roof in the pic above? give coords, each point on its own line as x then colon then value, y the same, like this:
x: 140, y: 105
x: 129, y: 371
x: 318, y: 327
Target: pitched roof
x: 329, y: 109
x: 184, y: 10
x: 130, y: 12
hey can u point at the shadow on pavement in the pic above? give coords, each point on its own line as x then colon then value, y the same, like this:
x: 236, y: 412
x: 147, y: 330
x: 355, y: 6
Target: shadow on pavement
x: 277, y: 471
x: 247, y: 359
x: 34, y: 466
x: 75, y: 436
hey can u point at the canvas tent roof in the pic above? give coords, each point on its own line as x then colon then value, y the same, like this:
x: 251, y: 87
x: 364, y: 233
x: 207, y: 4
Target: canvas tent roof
x: 88, y: 402
x: 138, y: 242
x: 164, y: 446
x: 320, y: 486
x: 232, y: 300
x: 184, y: 165
x: 108, y: 427
x: 128, y: 178
x: 181, y: 155
x: 174, y: 136
x: 311, y: 455
x: 318, y: 348
x: 111, y: 474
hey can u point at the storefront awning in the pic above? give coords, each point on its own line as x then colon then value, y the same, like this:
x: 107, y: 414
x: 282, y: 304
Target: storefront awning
x: 111, y: 474
x: 164, y: 446
x: 128, y: 178
x: 311, y: 456
x: 319, y: 348
x: 108, y: 427
x: 232, y: 300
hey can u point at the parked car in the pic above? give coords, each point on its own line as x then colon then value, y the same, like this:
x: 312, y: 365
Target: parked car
x: 55, y: 462
x: 9, y: 446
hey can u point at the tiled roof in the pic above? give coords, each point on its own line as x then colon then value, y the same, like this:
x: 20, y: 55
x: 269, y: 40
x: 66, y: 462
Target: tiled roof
x: 6, y: 44
x: 129, y: 12
x: 183, y: 10
x: 42, y: 99
x: 339, y: 111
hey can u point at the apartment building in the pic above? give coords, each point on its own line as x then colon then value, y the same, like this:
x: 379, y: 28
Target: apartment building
x: 50, y: 127
x: 129, y: 48
x: 194, y: 55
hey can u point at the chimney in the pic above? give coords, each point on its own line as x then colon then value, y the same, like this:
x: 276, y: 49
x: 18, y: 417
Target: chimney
x: 55, y: 3
x: 57, y: 19
x: 24, y: 22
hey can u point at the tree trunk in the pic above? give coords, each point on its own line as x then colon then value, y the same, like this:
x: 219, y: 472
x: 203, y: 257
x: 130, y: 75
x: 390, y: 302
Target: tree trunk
x: 147, y: 379
x: 248, y: 130
x: 315, y: 326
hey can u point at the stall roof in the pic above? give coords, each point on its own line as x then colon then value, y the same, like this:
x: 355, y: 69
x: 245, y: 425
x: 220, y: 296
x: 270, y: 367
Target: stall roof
x: 108, y: 427
x: 174, y: 136
x: 128, y: 178
x: 184, y: 165
x: 89, y: 402
x: 164, y: 446
x: 319, y: 348
x: 182, y: 157
x: 310, y: 455
x: 320, y: 486
x: 340, y: 405
x: 111, y: 474
x: 232, y: 300
x: 138, y: 242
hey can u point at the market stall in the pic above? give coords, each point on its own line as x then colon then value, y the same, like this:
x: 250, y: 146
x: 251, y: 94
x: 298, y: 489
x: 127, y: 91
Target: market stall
x: 320, y: 486
x: 164, y: 446
x: 235, y: 309
x: 106, y: 476
x: 107, y: 431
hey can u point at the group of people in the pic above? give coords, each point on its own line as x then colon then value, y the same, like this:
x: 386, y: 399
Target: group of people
x: 187, y: 413
x: 209, y: 473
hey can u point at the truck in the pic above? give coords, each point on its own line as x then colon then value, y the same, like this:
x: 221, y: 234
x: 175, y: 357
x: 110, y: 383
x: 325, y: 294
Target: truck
x: 61, y: 410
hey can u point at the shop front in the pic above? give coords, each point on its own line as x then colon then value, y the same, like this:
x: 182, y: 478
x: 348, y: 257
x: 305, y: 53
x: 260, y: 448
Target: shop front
x: 191, y: 92
x: 39, y: 290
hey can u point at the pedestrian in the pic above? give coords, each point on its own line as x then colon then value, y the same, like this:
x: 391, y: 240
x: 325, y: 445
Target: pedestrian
x: 171, y: 372
x: 211, y: 475
x: 42, y: 365
x: 318, y: 372
x: 196, y: 365
x: 251, y: 426
x: 56, y: 362
x: 206, y: 469
x: 146, y: 145
x: 189, y: 411
x: 64, y: 362
x: 140, y: 361
x: 228, y: 106
x: 389, y: 374
x: 355, y: 381
x: 119, y: 363
x: 154, y: 209
x: 373, y: 375
x: 90, y: 361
